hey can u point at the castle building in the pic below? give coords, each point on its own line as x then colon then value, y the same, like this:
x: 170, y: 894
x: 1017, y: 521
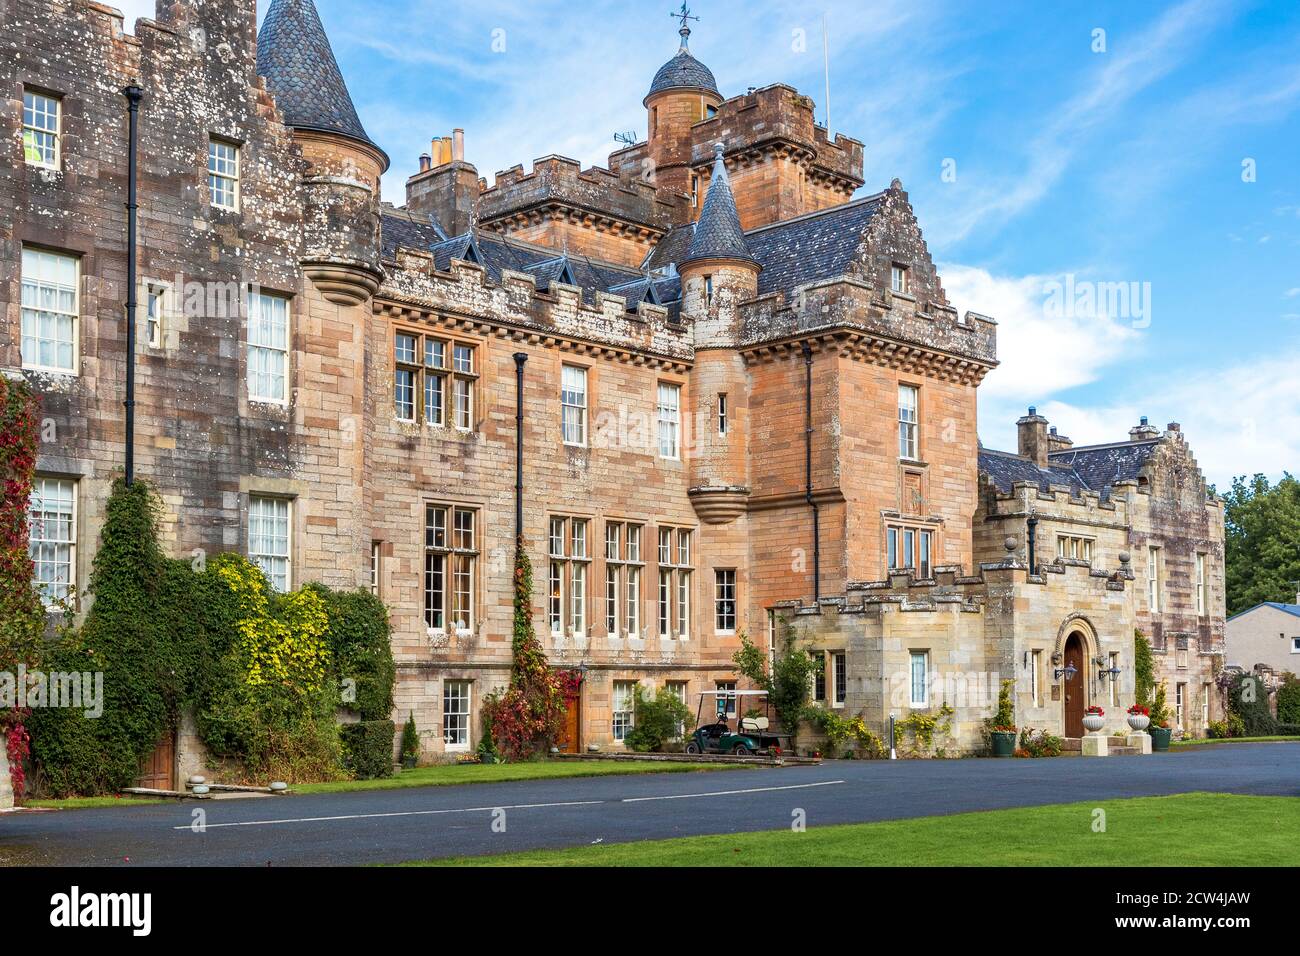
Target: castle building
x: 747, y: 401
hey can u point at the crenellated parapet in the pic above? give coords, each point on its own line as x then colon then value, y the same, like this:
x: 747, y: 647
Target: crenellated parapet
x: 593, y: 211
x: 560, y: 316
x: 859, y: 320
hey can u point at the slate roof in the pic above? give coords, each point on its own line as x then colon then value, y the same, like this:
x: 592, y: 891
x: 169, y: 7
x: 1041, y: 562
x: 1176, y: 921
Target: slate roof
x: 1101, y: 466
x: 495, y: 254
x: 295, y: 57
x: 819, y: 245
x: 717, y: 232
x: 1091, y: 468
x: 683, y: 72
x: 1005, y: 468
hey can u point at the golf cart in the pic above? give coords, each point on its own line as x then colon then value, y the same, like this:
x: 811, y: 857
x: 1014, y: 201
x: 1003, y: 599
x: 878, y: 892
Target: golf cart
x: 750, y: 736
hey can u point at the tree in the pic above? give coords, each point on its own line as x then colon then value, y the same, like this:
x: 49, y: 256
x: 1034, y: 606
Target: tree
x: 1262, y: 560
x: 787, y: 685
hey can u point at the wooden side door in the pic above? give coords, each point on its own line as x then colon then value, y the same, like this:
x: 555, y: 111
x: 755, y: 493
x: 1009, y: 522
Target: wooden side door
x: 571, y: 739
x: 1074, y: 691
x: 158, y: 770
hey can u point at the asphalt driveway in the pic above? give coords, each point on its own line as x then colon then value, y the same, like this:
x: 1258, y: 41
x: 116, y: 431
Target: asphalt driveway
x: 395, y: 825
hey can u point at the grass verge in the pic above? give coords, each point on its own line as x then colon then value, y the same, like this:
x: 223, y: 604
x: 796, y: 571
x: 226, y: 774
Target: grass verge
x: 443, y: 775
x: 1193, y: 829
x: 1201, y: 741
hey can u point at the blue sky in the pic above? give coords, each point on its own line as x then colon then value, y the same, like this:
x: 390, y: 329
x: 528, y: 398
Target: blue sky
x: 1122, y: 165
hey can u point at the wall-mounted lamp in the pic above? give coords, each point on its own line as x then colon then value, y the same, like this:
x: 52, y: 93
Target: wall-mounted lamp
x: 1068, y: 672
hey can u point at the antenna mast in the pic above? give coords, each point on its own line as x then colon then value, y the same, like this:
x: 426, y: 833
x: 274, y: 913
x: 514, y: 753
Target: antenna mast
x: 826, y: 61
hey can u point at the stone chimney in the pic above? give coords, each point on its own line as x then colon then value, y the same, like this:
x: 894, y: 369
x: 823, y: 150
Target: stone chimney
x: 1057, y: 442
x: 446, y: 187
x: 1143, y: 431
x: 1032, y: 438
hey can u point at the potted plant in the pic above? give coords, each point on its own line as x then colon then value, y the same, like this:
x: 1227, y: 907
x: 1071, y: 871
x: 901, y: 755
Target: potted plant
x: 1094, y: 718
x: 410, y: 743
x: 1002, y: 731
x: 1160, y: 729
x: 1139, y: 718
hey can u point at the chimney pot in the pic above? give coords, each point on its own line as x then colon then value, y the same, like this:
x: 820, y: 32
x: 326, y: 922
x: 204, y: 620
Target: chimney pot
x: 1033, y: 410
x: 426, y: 162
x: 1143, y: 421
x: 458, y: 145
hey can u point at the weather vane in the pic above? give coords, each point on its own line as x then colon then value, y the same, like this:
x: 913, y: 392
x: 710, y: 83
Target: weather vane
x: 683, y: 15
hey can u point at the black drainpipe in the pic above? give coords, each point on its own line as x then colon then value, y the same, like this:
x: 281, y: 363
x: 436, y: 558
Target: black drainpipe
x: 1033, y: 538
x: 808, y: 480
x: 520, y: 359
x: 133, y: 95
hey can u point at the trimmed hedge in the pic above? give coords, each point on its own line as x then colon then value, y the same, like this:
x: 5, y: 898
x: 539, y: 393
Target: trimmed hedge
x: 368, y: 748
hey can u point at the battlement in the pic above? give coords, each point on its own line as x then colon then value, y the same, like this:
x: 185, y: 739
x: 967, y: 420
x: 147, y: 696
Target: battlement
x: 777, y: 119
x: 559, y: 182
x: 893, y: 328
x: 516, y: 308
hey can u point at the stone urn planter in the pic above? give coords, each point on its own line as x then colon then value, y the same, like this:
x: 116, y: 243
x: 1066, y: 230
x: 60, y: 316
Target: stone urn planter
x: 1139, y: 722
x: 1093, y: 722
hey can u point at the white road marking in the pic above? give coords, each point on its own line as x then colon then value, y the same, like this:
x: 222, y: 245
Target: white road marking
x: 403, y: 813
x: 516, y: 806
x: 728, y: 793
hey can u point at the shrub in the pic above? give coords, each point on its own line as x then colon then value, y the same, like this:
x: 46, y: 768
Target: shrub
x: 358, y: 635
x: 840, y: 731
x: 1004, y: 719
x: 657, y: 719
x: 410, y: 738
x: 1144, y: 671
x: 368, y: 748
x: 1038, y: 743
x: 1288, y: 701
x: 788, y: 685
x: 1247, y: 700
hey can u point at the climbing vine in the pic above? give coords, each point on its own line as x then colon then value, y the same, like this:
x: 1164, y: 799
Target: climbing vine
x: 22, y: 619
x: 527, y: 718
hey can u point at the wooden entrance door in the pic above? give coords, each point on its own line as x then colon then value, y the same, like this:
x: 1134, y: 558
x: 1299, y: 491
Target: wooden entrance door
x: 1074, y: 693
x: 571, y: 737
x: 157, y: 771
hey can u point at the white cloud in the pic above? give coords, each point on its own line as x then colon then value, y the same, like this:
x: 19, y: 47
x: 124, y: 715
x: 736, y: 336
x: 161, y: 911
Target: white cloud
x: 1042, y: 351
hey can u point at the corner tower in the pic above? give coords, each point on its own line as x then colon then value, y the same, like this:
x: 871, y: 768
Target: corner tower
x: 341, y: 182
x: 719, y: 274
x: 682, y: 94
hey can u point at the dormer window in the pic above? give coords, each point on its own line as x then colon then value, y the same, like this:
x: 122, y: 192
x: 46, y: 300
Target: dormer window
x: 898, y: 278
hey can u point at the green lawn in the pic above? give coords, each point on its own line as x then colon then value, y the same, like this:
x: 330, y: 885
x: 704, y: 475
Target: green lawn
x: 448, y: 774
x: 90, y: 803
x: 1199, y: 741
x: 1195, y: 829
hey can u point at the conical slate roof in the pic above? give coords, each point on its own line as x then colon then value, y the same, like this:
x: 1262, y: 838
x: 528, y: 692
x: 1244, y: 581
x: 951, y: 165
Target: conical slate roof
x: 683, y: 72
x: 294, y: 55
x: 717, y: 233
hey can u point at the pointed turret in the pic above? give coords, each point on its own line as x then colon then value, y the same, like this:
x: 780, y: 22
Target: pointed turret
x: 717, y: 233
x: 340, y: 186
x: 296, y: 59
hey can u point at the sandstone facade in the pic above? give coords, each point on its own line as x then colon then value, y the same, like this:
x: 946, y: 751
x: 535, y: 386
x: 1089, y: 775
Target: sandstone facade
x: 711, y: 443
